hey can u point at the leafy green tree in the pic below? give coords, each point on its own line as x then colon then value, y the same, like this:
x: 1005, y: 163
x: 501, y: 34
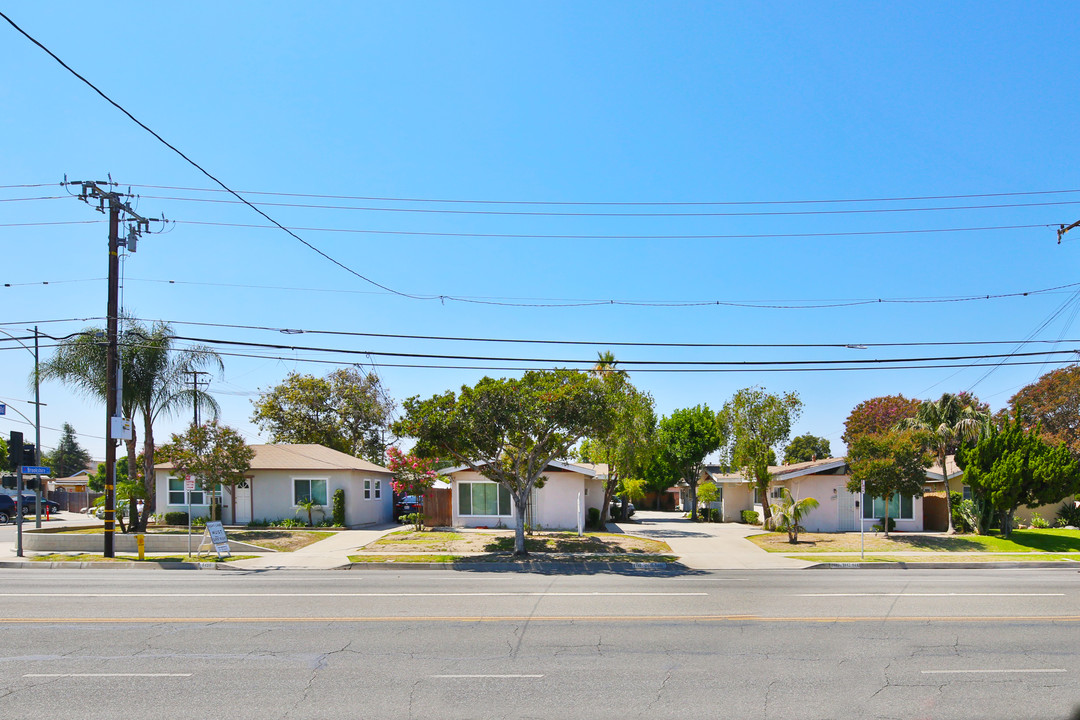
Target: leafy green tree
x: 686, y: 438
x: 759, y: 421
x: 805, y: 448
x: 706, y: 494
x: 891, y: 463
x: 347, y: 410
x: 631, y: 443
x: 789, y: 512
x: 1014, y: 466
x: 508, y: 430
x: 877, y: 415
x: 215, y: 455
x: 1053, y: 402
x: 3, y: 453
x: 156, y: 382
x: 949, y: 421
x: 69, y: 457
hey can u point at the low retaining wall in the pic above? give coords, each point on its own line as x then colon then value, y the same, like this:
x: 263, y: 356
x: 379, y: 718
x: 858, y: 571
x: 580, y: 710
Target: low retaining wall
x: 155, y: 543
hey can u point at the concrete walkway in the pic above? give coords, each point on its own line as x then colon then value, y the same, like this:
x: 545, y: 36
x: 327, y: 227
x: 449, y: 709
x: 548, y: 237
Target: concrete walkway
x: 324, y: 555
x: 706, y: 546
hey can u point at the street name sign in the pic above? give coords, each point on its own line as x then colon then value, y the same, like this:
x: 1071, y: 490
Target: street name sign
x: 35, y: 470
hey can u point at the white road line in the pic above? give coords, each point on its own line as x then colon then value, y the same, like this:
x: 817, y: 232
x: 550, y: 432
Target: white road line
x: 103, y: 675
x: 361, y: 595
x: 907, y: 594
x: 512, y: 677
x: 996, y: 670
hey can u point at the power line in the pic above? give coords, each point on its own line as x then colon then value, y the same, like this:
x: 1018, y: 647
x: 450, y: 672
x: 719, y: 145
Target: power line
x: 61, y: 222
x: 198, y: 167
x: 598, y: 343
x: 548, y: 213
x: 581, y: 302
x: 564, y: 236
x: 622, y: 362
x: 618, y: 204
x: 43, y: 197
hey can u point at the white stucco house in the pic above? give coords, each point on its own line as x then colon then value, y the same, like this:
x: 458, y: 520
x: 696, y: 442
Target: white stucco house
x: 824, y: 480
x: 282, y: 476
x: 479, y: 502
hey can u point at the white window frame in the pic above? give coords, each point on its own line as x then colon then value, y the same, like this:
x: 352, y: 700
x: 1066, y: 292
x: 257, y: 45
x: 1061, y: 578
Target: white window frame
x: 501, y: 489
x: 309, y: 480
x: 895, y: 500
x: 367, y: 488
x: 378, y: 489
x: 187, y: 495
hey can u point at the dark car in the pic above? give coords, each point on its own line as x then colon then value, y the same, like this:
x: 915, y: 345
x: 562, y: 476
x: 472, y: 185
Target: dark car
x: 408, y: 504
x: 7, y: 508
x: 29, y: 504
x: 613, y: 511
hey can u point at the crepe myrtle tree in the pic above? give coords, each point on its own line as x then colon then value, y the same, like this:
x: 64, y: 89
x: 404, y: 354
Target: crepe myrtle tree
x: 412, y: 476
x: 215, y: 455
x: 508, y: 430
x: 889, y: 464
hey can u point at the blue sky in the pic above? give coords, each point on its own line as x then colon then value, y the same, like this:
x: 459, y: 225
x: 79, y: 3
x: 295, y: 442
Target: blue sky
x: 614, y: 102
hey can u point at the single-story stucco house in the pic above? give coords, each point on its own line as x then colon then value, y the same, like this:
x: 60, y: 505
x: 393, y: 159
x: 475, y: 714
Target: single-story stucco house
x: 282, y: 476
x: 479, y: 502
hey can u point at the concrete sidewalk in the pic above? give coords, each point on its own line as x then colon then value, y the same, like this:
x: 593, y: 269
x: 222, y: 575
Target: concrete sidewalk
x: 707, y: 546
x: 324, y: 555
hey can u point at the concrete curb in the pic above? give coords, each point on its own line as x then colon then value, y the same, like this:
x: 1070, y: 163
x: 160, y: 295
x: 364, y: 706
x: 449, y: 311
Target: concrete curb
x: 1067, y: 564
x: 542, y: 566
x: 149, y: 565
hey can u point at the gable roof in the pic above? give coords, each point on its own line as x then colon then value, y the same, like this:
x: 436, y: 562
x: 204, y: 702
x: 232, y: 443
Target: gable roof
x: 301, y: 457
x: 584, y: 469
x: 933, y: 473
x: 779, y: 472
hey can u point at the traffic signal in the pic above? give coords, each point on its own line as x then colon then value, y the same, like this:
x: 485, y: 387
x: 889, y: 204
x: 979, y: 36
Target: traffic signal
x: 15, y: 447
x: 30, y: 482
x: 29, y: 454
x: 9, y: 482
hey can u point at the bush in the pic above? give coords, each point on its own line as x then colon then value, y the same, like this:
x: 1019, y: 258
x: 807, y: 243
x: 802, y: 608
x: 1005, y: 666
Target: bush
x: 713, y: 514
x: 289, y: 523
x: 339, y: 507
x: 750, y: 517
x: 198, y: 521
x: 892, y: 525
x: 1068, y: 514
x: 1038, y: 521
x: 593, y: 520
x: 176, y: 517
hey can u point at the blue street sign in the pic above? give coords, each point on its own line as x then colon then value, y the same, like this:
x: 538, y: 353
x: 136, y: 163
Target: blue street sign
x: 35, y: 470
x: 3, y: 409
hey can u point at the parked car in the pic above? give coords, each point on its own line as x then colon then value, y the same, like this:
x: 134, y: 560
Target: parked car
x: 7, y: 508
x: 122, y: 509
x: 29, y: 503
x: 613, y: 511
x: 408, y: 504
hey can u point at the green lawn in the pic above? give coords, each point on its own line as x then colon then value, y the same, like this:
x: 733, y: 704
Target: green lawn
x: 986, y: 557
x: 1047, y: 541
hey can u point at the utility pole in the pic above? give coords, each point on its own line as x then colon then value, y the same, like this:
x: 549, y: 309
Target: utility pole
x: 37, y: 433
x: 195, y: 391
x: 1066, y: 228
x: 116, y: 429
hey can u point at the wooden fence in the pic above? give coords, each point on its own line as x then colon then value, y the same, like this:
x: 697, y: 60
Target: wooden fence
x: 437, y: 510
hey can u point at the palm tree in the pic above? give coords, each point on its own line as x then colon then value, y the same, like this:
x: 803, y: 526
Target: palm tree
x: 310, y: 505
x: 788, y: 513
x: 155, y: 382
x: 950, y: 421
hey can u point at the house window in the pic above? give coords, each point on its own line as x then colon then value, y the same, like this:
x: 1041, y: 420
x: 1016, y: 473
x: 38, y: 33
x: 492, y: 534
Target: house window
x: 483, y: 498
x: 314, y: 490
x: 901, y: 507
x: 367, y: 489
x: 378, y: 489
x: 177, y: 495
x: 967, y: 492
x: 777, y: 493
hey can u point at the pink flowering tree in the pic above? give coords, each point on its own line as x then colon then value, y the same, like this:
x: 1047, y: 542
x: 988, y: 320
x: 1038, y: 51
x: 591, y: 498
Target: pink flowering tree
x: 412, y: 476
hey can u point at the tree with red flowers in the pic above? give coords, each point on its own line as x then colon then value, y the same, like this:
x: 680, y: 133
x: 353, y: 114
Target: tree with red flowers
x: 412, y: 476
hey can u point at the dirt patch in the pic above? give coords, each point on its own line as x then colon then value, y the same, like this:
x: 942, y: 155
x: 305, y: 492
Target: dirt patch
x: 280, y: 540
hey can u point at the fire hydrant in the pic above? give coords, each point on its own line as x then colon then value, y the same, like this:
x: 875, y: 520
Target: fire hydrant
x: 141, y: 540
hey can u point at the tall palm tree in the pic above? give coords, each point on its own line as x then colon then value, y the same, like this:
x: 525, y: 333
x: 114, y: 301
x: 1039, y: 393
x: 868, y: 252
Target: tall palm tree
x: 155, y: 377
x: 950, y: 420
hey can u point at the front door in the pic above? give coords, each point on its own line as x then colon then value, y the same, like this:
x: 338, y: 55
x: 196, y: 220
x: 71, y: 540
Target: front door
x: 242, y: 503
x: 845, y: 501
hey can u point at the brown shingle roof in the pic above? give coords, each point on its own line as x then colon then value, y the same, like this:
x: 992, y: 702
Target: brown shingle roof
x: 302, y: 457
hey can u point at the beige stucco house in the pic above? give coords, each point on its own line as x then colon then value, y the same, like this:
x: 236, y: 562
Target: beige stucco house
x: 479, y: 502
x: 283, y: 475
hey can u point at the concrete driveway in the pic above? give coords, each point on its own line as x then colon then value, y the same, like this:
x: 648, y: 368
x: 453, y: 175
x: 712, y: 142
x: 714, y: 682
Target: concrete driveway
x: 706, y: 546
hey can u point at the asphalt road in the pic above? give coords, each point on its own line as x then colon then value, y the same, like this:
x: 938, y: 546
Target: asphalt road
x: 444, y: 644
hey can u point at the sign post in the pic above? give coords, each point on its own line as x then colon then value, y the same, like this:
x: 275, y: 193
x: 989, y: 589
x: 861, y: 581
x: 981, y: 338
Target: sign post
x: 189, y: 485
x: 862, y: 530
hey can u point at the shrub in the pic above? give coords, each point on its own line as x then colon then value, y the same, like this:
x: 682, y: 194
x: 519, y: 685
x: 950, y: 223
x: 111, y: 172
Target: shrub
x: 198, y: 521
x: 259, y: 524
x: 750, y: 517
x: 594, y: 518
x: 878, y: 526
x: 1069, y: 513
x: 1038, y: 521
x: 289, y: 523
x: 176, y: 517
x: 338, y: 511
x: 714, y: 514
